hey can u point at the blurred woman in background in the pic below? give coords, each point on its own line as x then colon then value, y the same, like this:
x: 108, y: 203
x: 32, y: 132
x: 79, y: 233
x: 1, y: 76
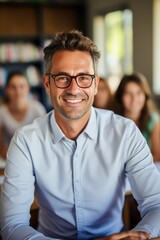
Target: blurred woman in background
x: 133, y: 100
x: 17, y: 109
x: 103, y: 98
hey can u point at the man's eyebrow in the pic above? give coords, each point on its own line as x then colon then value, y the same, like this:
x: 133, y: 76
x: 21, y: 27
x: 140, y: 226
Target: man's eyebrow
x: 61, y: 73
x: 66, y: 73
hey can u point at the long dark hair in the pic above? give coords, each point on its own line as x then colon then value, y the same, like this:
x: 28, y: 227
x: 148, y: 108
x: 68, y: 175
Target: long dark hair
x: 149, y: 106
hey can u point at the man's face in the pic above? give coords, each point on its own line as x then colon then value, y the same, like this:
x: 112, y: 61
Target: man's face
x: 72, y: 102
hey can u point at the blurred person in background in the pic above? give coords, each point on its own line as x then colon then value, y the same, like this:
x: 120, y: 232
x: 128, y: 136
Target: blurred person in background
x: 103, y: 99
x: 133, y: 99
x: 17, y: 109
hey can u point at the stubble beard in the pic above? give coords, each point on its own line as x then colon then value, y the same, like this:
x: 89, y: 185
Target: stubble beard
x: 73, y: 113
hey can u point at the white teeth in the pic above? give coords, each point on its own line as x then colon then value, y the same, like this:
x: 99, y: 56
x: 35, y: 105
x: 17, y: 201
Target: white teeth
x: 73, y: 100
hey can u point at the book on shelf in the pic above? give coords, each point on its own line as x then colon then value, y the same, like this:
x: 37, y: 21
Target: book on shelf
x: 33, y: 75
x: 19, y: 52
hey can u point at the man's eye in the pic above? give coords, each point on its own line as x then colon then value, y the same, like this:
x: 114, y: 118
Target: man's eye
x: 84, y: 77
x: 62, y: 78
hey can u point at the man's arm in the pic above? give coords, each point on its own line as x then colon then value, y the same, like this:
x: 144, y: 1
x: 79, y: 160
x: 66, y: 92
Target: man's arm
x: 144, y: 179
x: 17, y: 194
x: 126, y: 235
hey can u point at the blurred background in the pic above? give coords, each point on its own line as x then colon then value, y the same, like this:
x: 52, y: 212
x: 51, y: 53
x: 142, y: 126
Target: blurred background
x: 127, y: 33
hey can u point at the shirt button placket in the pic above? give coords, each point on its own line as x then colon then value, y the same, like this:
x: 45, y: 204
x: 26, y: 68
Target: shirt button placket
x: 77, y: 192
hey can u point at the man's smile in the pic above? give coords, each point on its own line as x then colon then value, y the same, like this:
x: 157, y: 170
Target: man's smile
x: 73, y: 100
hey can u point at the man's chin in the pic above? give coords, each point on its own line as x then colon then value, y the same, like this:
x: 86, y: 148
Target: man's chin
x: 74, y: 115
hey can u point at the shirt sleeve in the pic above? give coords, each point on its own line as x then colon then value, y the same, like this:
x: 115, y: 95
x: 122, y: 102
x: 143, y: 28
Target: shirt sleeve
x: 144, y: 179
x: 17, y: 194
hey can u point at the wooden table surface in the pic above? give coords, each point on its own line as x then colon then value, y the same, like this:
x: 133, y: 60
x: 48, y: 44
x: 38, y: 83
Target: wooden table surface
x: 1, y: 171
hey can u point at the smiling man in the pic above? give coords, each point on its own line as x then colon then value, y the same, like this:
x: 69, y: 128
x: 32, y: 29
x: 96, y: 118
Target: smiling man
x: 76, y: 159
x: 73, y: 74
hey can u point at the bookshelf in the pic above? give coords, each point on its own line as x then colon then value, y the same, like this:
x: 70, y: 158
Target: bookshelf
x: 26, y: 28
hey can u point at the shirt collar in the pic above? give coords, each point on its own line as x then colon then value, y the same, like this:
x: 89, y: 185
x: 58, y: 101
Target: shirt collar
x: 57, y: 132
x: 90, y: 130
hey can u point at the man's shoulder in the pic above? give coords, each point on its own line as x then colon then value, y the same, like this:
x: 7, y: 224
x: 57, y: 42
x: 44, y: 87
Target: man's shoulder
x: 118, y: 127
x: 109, y: 117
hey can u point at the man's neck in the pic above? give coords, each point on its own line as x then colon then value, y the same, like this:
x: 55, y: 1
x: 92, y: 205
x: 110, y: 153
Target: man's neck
x: 71, y: 127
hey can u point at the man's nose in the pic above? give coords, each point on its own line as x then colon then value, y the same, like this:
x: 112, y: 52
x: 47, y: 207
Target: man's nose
x: 73, y: 86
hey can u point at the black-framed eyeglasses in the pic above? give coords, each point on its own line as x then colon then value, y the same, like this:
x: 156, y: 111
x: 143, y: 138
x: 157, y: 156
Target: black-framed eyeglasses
x: 64, y: 80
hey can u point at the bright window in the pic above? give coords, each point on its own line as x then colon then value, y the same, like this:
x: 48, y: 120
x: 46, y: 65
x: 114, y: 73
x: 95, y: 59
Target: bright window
x: 113, y: 36
x: 156, y: 46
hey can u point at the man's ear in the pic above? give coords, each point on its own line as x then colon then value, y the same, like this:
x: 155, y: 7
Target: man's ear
x: 46, y: 83
x: 96, y: 85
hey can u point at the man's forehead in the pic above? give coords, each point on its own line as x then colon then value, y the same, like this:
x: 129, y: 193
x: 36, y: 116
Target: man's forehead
x: 72, y: 60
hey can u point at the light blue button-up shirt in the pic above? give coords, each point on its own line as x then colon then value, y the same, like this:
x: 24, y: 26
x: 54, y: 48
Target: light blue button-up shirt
x: 79, y: 185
